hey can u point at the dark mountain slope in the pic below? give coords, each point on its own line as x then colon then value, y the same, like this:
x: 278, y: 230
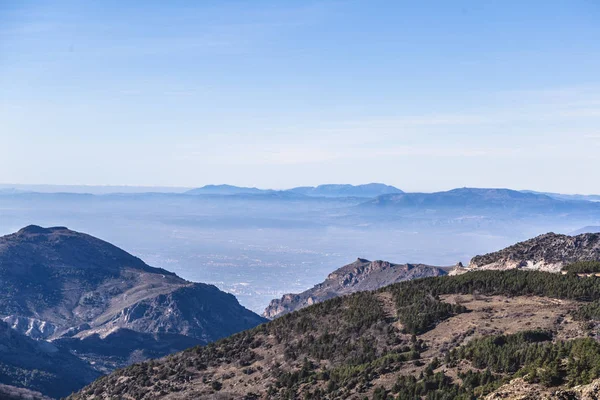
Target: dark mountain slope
x: 358, y: 276
x: 59, y: 282
x: 88, y: 296
x: 44, y: 272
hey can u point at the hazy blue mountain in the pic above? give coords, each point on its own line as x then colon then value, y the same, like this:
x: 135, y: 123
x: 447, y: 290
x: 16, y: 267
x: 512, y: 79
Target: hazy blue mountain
x: 90, y: 189
x: 586, y: 229
x: 226, y: 190
x: 560, y: 196
x: 334, y: 190
x: 481, y: 199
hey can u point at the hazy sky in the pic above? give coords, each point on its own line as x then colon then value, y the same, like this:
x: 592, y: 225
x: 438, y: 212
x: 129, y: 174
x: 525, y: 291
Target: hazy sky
x: 424, y: 95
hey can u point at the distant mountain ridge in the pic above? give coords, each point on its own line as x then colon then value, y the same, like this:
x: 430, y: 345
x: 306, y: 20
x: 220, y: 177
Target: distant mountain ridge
x: 494, y: 202
x: 367, y: 190
x: 226, y: 190
x: 329, y: 190
x: 462, y: 197
x: 561, y: 196
x: 358, y: 276
x: 586, y: 229
x: 86, y: 295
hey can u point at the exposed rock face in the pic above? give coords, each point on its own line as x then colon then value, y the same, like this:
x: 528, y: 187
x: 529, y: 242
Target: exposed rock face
x: 8, y: 392
x: 359, y: 276
x: 41, y: 365
x: 583, y: 392
x: 519, y: 389
x: 549, y: 252
x: 82, y: 293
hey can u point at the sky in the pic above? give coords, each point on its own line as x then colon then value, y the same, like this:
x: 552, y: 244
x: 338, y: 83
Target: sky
x: 425, y: 95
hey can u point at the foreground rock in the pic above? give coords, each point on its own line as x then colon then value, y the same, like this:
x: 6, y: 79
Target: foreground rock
x: 359, y: 276
x: 519, y: 389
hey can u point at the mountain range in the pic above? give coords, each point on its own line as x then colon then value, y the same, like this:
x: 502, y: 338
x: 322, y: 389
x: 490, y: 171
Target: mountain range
x: 100, y: 308
x: 561, y: 196
x: 586, y: 229
x: 330, y: 190
x: 474, y: 198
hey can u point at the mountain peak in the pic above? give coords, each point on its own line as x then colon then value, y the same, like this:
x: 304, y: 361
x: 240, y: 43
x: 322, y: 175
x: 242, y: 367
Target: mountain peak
x: 38, y: 230
x: 358, y: 276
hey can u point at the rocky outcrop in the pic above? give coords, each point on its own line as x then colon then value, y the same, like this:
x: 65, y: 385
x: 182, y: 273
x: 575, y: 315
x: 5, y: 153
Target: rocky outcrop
x: 40, y: 365
x: 359, y: 276
x: 8, y: 392
x: 519, y: 389
x: 32, y: 327
x: 584, y: 392
x: 549, y: 252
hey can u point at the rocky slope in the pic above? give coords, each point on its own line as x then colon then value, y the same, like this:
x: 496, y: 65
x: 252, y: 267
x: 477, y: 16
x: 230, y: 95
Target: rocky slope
x: 519, y: 389
x: 8, y: 392
x: 549, y: 252
x: 86, y: 295
x: 459, y: 337
x: 39, y: 365
x: 355, y: 277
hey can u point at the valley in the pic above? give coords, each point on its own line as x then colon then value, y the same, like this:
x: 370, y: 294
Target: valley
x: 262, y: 246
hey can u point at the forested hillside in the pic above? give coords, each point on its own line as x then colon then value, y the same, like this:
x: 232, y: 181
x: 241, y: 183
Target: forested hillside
x: 440, y: 338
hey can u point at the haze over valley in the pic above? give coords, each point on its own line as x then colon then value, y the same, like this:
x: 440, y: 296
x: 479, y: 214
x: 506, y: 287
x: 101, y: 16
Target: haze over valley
x: 260, y: 244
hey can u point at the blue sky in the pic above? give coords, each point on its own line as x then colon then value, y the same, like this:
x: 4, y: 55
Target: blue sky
x: 424, y: 95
